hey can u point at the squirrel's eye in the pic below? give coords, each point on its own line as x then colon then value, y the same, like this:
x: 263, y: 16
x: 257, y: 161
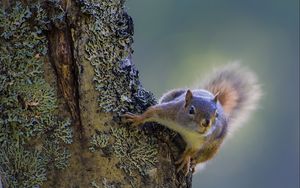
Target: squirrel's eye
x: 192, y: 110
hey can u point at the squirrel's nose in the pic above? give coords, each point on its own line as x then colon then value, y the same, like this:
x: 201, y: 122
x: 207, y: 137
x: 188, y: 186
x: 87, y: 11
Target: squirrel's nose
x: 207, y: 122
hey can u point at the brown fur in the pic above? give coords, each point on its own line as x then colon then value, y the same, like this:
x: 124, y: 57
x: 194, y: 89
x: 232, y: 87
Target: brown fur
x: 239, y: 91
x: 207, y: 153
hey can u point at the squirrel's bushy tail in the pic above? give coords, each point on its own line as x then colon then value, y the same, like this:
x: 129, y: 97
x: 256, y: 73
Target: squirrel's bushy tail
x: 238, y: 90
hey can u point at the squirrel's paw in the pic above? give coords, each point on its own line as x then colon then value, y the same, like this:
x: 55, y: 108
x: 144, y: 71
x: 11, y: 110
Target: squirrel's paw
x: 184, y: 163
x: 136, y: 120
x: 193, y: 165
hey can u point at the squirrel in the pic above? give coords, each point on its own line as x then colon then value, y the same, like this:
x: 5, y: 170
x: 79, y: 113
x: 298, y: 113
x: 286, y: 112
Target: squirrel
x: 204, y: 117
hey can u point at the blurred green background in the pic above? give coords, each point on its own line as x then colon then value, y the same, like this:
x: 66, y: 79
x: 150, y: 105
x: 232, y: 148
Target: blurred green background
x: 177, y: 42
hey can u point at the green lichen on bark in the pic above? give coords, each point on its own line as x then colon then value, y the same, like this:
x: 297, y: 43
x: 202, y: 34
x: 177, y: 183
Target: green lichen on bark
x: 104, y: 184
x: 136, y: 151
x: 98, y: 141
x: 32, y: 135
x: 22, y: 168
x: 105, y: 37
x: 108, y: 48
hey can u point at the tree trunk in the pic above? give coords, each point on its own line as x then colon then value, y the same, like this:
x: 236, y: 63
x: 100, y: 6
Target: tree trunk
x: 66, y: 76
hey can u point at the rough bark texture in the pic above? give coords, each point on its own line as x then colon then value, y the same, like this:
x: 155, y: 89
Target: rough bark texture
x: 66, y: 77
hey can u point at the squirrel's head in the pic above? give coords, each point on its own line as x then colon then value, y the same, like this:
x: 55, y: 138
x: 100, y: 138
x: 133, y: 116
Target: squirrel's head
x: 200, y: 111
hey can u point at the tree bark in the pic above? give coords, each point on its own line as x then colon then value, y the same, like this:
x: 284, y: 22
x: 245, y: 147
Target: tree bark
x: 66, y: 77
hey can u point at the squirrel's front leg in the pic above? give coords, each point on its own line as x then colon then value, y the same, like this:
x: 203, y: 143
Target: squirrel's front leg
x: 137, y: 120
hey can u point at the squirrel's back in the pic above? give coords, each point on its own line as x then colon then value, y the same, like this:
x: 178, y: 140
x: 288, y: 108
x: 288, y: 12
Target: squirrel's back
x: 238, y: 91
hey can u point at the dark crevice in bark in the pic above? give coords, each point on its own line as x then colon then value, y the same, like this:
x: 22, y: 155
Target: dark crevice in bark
x: 75, y: 73
x: 61, y: 58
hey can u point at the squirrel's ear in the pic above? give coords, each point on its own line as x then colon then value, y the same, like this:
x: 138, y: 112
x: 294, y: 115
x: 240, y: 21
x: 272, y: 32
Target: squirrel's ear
x: 216, y: 97
x: 188, y: 98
